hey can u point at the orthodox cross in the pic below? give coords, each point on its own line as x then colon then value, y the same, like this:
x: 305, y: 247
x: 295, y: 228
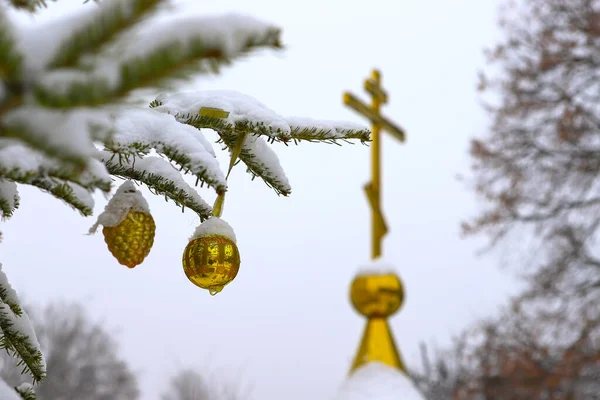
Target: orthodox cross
x: 379, y: 124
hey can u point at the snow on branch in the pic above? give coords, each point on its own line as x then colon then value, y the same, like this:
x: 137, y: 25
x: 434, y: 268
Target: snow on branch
x: 22, y: 392
x: 179, y: 43
x: 8, y: 393
x: 28, y: 5
x: 101, y: 27
x: 69, y: 192
x: 66, y: 136
x: 313, y: 130
x: 161, y: 178
x: 22, y: 164
x: 232, y: 114
x: 67, y: 40
x: 240, y: 112
x: 261, y: 161
x: 16, y: 332
x: 25, y: 390
x: 11, y: 61
x: 243, y: 113
x: 152, y: 56
x: 223, y: 36
x: 137, y: 131
x: 9, y: 198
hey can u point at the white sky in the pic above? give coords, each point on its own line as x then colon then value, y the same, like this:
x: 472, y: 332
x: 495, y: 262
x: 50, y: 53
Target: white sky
x: 285, y: 324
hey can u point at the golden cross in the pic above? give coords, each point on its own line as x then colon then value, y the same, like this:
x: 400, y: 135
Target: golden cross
x: 379, y: 123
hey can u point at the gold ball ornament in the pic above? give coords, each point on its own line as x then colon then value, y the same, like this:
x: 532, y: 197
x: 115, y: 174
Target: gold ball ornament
x: 377, y: 295
x: 211, y: 260
x: 130, y: 241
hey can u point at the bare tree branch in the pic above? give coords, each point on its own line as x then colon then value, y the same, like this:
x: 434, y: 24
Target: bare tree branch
x: 538, y: 168
x: 191, y: 385
x: 532, y: 351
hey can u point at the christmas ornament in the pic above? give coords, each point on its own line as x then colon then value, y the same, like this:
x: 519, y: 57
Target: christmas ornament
x: 377, y: 295
x: 211, y: 259
x: 128, y: 226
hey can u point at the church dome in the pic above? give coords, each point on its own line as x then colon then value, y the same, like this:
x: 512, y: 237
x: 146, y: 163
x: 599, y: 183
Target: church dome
x: 377, y: 381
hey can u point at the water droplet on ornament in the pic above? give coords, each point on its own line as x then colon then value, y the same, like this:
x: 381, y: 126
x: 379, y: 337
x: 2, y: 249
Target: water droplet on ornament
x: 213, y: 290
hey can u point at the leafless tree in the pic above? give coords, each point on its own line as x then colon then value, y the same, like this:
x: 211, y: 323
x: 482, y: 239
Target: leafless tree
x: 532, y: 351
x: 538, y: 168
x: 188, y: 385
x: 191, y: 385
x: 82, y: 359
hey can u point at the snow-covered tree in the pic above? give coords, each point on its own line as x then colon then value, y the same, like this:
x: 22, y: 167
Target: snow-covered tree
x: 82, y: 357
x: 69, y: 122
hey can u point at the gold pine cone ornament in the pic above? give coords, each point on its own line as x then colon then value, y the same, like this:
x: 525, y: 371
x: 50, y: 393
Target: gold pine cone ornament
x: 128, y: 226
x: 211, y: 259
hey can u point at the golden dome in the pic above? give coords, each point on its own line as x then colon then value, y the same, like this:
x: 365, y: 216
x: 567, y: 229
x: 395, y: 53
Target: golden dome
x: 377, y: 295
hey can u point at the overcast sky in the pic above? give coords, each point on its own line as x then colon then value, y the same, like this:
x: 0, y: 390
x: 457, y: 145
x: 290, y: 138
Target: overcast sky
x: 285, y: 324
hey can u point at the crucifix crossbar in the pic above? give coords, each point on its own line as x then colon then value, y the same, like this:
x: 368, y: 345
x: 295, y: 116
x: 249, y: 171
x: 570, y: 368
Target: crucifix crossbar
x: 379, y: 123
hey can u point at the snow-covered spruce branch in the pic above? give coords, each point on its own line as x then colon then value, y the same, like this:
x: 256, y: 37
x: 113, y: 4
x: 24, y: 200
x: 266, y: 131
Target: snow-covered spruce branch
x: 100, y: 28
x: 178, y: 48
x: 71, y: 193
x: 22, y: 392
x: 11, y: 60
x: 66, y: 136
x: 16, y: 333
x: 62, y: 93
x: 9, y: 198
x: 25, y: 390
x: 161, y: 178
x: 133, y: 133
x: 140, y: 130
x: 29, y: 5
x: 236, y: 117
x: 21, y: 164
x: 311, y: 130
x: 244, y: 114
x: 260, y: 161
x: 301, y: 129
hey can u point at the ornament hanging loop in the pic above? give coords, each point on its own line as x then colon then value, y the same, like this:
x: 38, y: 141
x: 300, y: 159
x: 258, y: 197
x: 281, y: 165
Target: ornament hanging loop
x: 133, y: 165
x: 235, y: 153
x: 218, y: 206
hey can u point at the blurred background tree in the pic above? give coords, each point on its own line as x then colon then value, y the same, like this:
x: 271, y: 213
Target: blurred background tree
x: 82, y: 358
x: 189, y: 384
x: 530, y: 351
x: 538, y: 170
x: 538, y: 167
